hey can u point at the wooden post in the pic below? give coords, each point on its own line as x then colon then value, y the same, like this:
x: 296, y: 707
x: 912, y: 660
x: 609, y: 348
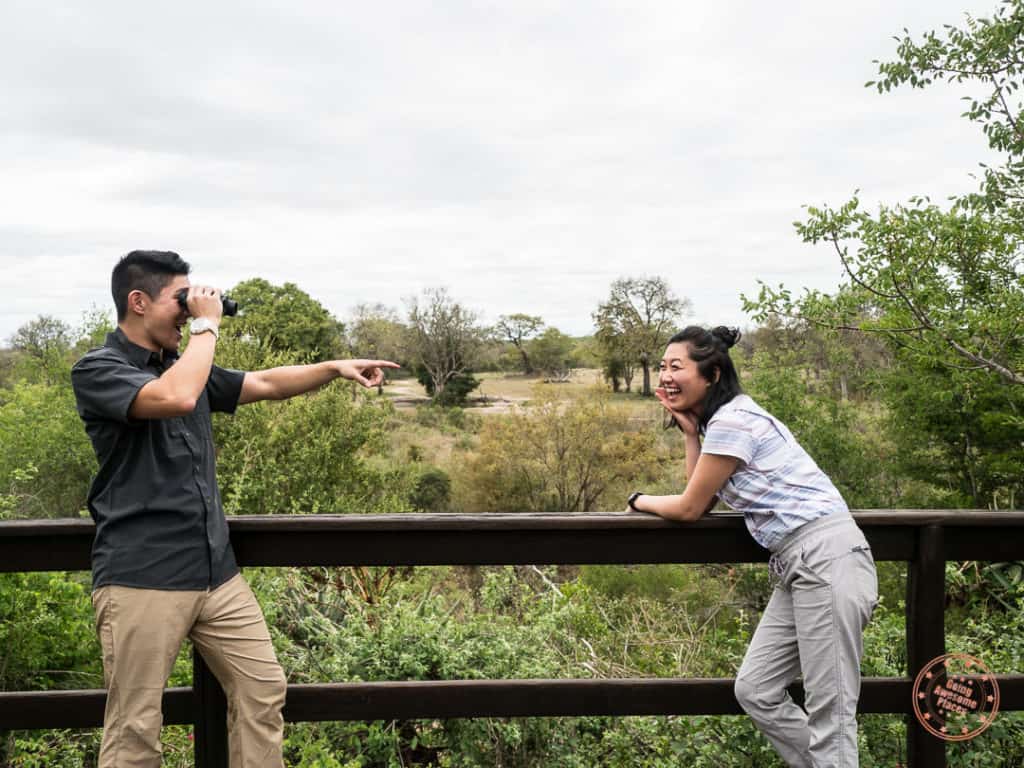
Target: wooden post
x: 926, y: 635
x: 211, y: 731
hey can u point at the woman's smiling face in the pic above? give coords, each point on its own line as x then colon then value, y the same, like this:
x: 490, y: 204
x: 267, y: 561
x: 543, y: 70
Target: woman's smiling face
x: 682, y: 382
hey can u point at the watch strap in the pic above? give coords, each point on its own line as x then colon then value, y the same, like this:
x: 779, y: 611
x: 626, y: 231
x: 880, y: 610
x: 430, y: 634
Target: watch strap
x: 202, y: 325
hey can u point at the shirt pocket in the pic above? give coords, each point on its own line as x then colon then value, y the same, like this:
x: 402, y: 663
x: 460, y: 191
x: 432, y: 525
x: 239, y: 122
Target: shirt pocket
x: 175, y: 438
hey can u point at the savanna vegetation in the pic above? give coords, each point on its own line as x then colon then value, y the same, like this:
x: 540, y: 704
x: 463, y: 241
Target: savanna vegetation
x: 905, y: 384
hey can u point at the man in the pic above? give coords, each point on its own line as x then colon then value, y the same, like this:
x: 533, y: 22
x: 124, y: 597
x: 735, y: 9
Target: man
x: 162, y: 563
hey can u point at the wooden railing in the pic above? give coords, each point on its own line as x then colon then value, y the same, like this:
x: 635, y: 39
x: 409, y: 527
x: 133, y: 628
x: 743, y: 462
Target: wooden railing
x: 925, y: 539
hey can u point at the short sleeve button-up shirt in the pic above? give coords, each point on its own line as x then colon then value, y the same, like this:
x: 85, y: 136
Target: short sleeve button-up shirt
x: 776, y: 485
x: 155, y: 501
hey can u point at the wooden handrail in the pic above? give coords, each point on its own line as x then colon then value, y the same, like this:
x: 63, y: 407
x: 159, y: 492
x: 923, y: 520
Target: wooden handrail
x: 924, y: 538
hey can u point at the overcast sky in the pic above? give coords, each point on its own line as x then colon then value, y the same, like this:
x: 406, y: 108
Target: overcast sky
x: 524, y: 154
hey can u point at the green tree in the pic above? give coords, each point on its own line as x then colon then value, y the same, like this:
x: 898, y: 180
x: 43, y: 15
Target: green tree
x: 518, y: 329
x: 286, y: 319
x: 43, y: 337
x: 92, y: 331
x: 456, y: 390
x: 445, y: 339
x: 552, y: 354
x: 376, y: 333
x: 847, y: 362
x: 586, y: 351
x: 637, y: 320
x: 617, y: 362
x: 957, y: 432
x: 986, y: 53
x: 42, y: 351
x: 945, y: 285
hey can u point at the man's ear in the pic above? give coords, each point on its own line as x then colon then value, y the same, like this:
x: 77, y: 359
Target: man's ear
x: 137, y: 301
x: 718, y: 374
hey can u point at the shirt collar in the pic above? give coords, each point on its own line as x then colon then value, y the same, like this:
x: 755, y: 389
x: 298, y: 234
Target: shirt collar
x: 139, y: 356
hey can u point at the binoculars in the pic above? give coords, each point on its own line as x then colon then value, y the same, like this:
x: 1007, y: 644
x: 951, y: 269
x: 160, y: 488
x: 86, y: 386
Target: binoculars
x: 229, y: 307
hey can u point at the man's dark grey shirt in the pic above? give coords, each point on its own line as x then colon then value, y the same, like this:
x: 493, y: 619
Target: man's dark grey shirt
x: 159, y: 520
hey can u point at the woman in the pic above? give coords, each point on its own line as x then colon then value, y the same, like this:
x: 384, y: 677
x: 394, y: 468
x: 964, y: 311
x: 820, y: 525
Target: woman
x: 826, y: 585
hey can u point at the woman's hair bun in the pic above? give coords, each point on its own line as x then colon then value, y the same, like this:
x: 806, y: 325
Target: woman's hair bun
x: 728, y: 336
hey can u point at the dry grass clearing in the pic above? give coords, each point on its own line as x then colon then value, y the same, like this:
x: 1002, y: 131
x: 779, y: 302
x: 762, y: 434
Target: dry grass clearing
x: 497, y: 392
x: 501, y: 386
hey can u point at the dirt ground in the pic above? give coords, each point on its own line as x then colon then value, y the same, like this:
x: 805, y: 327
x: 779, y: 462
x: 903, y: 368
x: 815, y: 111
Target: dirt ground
x: 497, y: 393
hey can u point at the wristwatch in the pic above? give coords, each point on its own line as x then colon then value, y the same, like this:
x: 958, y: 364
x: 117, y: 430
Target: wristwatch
x: 632, y: 498
x: 202, y: 325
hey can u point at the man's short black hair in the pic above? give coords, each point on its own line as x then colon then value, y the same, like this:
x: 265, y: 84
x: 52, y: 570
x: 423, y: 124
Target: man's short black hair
x: 147, y: 271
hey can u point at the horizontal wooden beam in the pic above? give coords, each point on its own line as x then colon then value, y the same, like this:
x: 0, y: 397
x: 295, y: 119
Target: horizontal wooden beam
x: 37, y: 710
x: 502, y: 539
x: 468, y: 698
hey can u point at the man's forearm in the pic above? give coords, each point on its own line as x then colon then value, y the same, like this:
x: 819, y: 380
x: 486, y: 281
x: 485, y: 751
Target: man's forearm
x: 290, y: 380
x: 176, y: 392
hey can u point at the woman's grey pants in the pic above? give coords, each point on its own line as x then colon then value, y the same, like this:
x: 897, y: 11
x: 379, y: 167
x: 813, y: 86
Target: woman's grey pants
x: 813, y: 625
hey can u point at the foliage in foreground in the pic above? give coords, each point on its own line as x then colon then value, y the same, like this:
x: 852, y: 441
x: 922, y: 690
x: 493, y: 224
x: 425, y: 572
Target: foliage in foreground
x: 562, y: 454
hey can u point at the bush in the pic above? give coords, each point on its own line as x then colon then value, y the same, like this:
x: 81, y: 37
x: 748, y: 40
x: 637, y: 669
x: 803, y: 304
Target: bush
x: 432, y: 491
x: 455, y: 392
x: 46, y: 459
x: 308, y: 455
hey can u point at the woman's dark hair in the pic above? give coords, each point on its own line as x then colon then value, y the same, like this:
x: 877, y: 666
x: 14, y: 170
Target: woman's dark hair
x: 147, y: 271
x: 710, y: 350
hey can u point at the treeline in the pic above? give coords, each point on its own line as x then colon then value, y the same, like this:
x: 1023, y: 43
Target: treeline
x: 439, y: 338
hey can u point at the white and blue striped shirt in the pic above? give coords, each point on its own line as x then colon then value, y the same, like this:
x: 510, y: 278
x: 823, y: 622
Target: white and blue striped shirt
x: 776, y: 485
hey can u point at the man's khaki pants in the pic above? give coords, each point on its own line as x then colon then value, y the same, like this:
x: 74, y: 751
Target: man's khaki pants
x: 141, y: 631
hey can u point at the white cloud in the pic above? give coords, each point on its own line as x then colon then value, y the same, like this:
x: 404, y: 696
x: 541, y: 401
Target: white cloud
x: 522, y: 154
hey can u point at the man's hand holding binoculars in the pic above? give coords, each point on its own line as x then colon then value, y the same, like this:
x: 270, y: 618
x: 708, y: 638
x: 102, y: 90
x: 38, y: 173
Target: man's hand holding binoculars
x: 202, y: 301
x: 185, y: 296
